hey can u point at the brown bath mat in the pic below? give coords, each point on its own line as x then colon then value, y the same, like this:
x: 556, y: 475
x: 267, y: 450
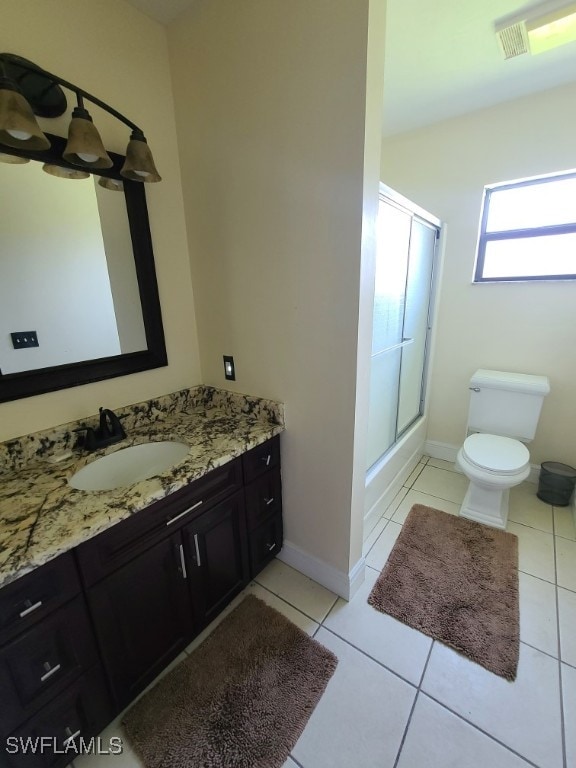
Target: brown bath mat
x: 241, y: 699
x: 456, y: 581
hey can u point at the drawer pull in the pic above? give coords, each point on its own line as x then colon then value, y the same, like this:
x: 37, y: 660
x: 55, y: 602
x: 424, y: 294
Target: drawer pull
x: 266, y: 459
x: 270, y: 547
x: 198, y: 561
x: 30, y: 608
x: 182, y: 563
x: 269, y: 501
x: 51, y: 671
x: 186, y: 511
x: 71, y: 737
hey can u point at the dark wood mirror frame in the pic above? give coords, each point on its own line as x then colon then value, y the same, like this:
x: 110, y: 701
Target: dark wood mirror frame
x: 15, y: 386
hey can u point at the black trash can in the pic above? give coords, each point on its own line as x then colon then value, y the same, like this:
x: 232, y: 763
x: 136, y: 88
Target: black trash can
x: 556, y: 483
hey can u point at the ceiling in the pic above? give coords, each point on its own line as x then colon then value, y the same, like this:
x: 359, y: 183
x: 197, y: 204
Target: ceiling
x: 442, y: 58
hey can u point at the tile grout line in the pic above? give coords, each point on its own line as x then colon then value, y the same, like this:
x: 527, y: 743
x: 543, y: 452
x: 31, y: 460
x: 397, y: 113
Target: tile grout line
x: 561, y: 692
x: 527, y: 573
x: 367, y: 655
x: 419, y: 687
x: 479, y: 729
x: 312, y: 618
x: 408, y: 722
x: 388, y: 520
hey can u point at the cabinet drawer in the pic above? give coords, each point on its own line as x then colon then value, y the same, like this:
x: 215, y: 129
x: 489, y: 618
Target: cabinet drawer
x: 112, y: 549
x: 34, y: 596
x: 43, y: 661
x: 263, y: 498
x: 265, y: 543
x: 261, y: 459
x: 77, y: 715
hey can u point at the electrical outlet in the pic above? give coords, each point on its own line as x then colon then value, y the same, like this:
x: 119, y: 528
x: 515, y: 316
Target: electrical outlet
x: 229, y: 370
x: 21, y: 339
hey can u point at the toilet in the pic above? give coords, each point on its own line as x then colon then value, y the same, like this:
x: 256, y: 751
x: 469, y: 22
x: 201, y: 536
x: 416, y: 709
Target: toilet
x: 503, y: 415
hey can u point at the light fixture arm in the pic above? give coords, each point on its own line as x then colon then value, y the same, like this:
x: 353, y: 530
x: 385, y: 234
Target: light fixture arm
x: 27, y: 90
x: 80, y: 92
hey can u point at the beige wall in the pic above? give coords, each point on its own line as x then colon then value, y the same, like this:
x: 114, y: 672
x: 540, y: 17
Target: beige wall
x: 111, y: 50
x: 525, y: 327
x: 271, y: 99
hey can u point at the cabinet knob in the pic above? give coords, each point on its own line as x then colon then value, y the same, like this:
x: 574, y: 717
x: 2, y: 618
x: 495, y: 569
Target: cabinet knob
x: 49, y: 671
x: 70, y: 736
x: 269, y: 501
x: 182, y: 567
x: 197, y: 547
x: 270, y: 547
x: 185, y: 512
x: 266, y: 459
x: 30, y: 607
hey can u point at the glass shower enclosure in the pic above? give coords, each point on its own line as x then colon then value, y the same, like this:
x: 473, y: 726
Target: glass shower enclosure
x: 406, y: 249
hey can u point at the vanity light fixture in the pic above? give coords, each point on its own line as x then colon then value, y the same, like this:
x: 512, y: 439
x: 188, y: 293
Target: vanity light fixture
x: 85, y: 146
x: 18, y: 126
x: 65, y: 173
x: 114, y: 184
x: 27, y: 90
x: 13, y: 159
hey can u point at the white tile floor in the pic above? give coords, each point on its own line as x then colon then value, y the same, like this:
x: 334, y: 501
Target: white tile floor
x: 399, y: 699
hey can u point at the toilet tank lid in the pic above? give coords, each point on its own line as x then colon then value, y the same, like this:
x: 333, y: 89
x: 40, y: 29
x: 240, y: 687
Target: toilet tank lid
x: 515, y: 382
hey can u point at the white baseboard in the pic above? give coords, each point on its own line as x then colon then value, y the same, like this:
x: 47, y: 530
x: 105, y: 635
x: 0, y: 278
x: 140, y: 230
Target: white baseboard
x: 448, y: 452
x: 343, y: 584
x: 444, y: 451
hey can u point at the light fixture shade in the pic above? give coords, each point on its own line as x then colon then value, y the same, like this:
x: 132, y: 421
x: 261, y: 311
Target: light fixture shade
x: 85, y: 147
x: 13, y: 159
x: 64, y: 173
x: 139, y: 164
x: 114, y: 184
x: 18, y: 126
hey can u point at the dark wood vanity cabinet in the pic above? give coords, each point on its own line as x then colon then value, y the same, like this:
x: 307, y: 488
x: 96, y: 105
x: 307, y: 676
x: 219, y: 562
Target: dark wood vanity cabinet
x: 81, y: 636
x: 154, y: 581
x: 51, y: 679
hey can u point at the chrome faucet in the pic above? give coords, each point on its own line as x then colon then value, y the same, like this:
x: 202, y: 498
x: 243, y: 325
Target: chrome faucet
x: 108, y: 432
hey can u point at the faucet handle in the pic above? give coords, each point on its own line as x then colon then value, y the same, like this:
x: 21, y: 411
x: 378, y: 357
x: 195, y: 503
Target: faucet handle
x: 86, y: 440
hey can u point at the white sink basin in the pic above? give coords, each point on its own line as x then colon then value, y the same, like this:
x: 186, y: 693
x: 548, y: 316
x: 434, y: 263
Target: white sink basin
x: 128, y: 466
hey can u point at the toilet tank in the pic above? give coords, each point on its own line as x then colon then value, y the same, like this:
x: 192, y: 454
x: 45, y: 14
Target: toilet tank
x: 507, y: 404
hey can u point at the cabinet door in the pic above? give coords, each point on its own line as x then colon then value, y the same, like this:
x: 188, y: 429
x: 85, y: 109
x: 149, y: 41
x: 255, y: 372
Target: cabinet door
x: 216, y: 550
x: 142, y: 617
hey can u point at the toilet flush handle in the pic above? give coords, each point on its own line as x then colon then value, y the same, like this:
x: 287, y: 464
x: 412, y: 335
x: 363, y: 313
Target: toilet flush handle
x: 474, y: 389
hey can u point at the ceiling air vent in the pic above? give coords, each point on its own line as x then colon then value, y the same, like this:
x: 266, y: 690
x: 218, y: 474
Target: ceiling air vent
x: 513, y: 40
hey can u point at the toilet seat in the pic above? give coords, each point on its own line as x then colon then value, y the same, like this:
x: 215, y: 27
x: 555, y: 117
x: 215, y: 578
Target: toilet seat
x: 493, y: 453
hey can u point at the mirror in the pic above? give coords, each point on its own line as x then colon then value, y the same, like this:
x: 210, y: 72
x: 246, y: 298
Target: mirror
x: 77, y: 269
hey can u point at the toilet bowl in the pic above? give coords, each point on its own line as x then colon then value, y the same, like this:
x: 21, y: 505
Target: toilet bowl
x: 493, y: 464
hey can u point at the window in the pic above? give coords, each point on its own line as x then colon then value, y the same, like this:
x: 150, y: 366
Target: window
x: 528, y: 230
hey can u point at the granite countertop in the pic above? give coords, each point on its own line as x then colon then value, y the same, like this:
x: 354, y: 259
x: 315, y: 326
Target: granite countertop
x: 42, y: 516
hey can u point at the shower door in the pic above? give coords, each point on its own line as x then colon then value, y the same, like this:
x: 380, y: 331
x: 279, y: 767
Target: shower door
x: 406, y: 248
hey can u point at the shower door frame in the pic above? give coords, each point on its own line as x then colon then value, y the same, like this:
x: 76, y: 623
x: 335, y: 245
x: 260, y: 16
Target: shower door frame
x: 387, y: 194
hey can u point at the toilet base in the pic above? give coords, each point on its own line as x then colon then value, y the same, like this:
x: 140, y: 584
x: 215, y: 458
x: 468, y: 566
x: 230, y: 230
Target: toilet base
x: 487, y: 506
